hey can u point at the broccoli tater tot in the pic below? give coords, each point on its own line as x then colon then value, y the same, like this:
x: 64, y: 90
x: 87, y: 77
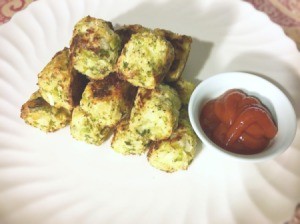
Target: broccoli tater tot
x: 128, y: 142
x: 184, y: 89
x: 182, y: 47
x: 94, y: 47
x: 108, y: 100
x: 38, y: 113
x: 145, y: 59
x: 155, y: 112
x: 59, y: 84
x: 84, y: 129
x: 177, y: 152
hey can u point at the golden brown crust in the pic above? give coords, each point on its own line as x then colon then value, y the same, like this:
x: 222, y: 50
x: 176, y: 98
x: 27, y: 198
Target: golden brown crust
x: 108, y: 100
x: 103, y: 88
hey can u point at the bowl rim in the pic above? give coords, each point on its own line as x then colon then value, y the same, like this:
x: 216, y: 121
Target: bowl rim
x: 208, y: 143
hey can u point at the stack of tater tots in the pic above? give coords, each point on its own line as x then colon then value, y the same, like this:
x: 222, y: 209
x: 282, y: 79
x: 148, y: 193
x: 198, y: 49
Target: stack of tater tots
x: 124, y: 82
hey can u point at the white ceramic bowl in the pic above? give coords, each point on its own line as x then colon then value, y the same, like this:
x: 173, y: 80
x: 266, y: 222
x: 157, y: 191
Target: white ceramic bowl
x: 270, y: 95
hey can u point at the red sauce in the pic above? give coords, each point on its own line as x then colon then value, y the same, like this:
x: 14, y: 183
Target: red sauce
x: 238, y: 123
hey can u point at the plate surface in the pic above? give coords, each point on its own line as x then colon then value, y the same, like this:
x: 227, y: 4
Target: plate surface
x: 51, y: 178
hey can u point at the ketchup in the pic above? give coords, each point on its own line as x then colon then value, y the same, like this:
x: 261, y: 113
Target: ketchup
x: 238, y: 123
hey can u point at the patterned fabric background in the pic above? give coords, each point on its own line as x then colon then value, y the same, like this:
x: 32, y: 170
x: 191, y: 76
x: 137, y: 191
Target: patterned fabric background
x: 286, y: 13
x: 9, y: 7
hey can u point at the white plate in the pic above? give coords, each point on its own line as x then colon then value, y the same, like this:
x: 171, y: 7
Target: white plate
x: 51, y: 178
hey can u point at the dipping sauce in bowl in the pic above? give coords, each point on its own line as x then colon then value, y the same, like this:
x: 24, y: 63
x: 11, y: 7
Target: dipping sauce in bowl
x: 231, y: 123
x: 238, y: 122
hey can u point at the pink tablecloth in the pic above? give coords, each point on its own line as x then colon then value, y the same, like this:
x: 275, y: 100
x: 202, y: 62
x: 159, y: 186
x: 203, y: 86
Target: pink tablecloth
x: 286, y: 13
x: 9, y: 7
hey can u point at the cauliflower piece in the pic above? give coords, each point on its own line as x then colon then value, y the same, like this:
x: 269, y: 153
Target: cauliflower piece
x: 38, y: 113
x: 82, y: 128
x: 94, y: 47
x: 182, y: 47
x: 145, y: 59
x: 155, y: 112
x: 178, y: 151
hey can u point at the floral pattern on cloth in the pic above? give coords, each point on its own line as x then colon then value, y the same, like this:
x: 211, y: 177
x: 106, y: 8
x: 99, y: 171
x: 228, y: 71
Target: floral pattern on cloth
x: 286, y: 13
x: 9, y: 7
